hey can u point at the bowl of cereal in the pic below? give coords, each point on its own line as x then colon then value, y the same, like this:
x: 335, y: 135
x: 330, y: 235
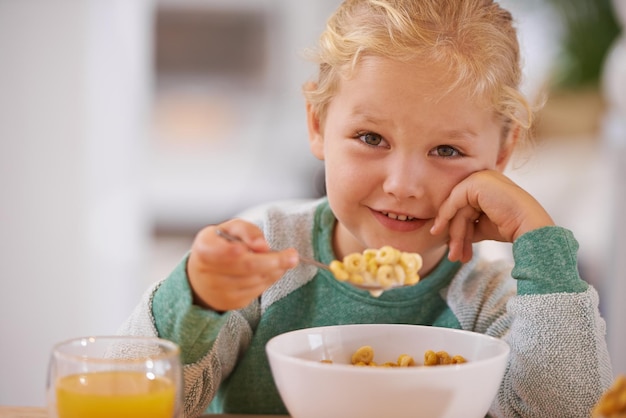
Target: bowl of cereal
x: 377, y: 370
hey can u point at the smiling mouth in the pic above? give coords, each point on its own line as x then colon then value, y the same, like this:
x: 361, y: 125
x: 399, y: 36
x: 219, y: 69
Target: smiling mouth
x: 403, y: 218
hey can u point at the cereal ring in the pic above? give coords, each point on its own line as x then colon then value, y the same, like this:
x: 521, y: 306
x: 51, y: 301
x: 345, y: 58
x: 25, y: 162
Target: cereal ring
x: 364, y: 354
x: 408, y: 262
x: 338, y: 270
x: 354, y: 263
x: 366, y: 268
x: 369, y: 254
x: 372, y: 266
x: 399, y: 273
x: 419, y: 260
x: 444, y: 357
x: 411, y: 279
x: 356, y: 278
x: 385, y: 275
x: 405, y: 360
x: 387, y: 255
x: 458, y: 359
x: 430, y: 358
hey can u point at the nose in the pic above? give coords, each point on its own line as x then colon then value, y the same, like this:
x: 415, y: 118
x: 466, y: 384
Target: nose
x: 406, y: 178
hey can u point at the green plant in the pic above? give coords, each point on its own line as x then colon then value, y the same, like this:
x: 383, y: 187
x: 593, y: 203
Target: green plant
x: 590, y: 29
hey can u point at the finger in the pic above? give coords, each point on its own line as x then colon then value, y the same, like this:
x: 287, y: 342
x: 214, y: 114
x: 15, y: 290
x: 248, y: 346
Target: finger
x: 221, y: 256
x: 227, y: 292
x: 461, y: 234
x: 260, y: 257
x: 211, y: 249
x: 468, y: 240
x: 460, y: 249
x: 450, y: 209
x: 456, y: 234
x: 484, y: 229
x: 246, y: 284
x: 251, y: 235
x: 269, y: 263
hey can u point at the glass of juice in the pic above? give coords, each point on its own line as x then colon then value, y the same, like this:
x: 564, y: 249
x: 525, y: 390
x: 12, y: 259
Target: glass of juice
x: 115, y: 376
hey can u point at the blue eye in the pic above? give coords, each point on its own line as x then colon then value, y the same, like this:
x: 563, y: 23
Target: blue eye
x: 370, y: 138
x: 446, y: 151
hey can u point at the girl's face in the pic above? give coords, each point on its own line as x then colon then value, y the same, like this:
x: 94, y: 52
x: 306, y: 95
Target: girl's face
x: 394, y: 146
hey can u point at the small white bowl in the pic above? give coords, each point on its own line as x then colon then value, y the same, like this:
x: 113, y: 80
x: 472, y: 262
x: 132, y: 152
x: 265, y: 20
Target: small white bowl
x: 312, y: 389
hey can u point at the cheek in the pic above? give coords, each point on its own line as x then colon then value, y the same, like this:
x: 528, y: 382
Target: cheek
x: 348, y: 185
x: 440, y: 182
x: 344, y: 179
x: 339, y: 190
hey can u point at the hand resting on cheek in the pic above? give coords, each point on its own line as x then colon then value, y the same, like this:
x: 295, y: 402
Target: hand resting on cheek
x: 487, y: 205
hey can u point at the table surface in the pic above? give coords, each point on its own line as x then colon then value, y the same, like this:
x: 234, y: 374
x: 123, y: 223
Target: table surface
x: 22, y: 412
x: 34, y: 412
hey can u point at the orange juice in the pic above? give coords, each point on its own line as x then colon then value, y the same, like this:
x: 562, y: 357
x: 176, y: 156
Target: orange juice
x: 118, y: 394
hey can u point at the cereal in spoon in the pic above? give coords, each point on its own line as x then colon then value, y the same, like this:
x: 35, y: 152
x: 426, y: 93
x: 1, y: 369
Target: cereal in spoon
x: 378, y: 270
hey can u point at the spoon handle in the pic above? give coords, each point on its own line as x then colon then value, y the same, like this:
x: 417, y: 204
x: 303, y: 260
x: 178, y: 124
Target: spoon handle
x: 233, y: 238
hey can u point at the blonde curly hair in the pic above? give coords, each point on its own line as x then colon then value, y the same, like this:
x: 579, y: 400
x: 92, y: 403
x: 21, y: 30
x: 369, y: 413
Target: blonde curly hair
x: 474, y: 39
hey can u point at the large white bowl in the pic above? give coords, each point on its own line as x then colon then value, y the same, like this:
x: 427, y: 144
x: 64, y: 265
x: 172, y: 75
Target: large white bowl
x: 312, y: 389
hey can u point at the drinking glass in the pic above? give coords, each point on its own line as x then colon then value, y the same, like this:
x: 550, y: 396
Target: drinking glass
x: 115, y: 376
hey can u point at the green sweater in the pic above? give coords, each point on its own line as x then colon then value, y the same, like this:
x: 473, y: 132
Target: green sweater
x: 558, y: 367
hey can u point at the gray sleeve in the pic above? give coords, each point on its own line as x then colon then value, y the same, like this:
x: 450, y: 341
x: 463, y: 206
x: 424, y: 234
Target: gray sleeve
x: 559, y: 364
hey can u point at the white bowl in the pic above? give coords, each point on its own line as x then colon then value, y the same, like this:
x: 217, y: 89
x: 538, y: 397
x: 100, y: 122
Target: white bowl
x: 312, y: 389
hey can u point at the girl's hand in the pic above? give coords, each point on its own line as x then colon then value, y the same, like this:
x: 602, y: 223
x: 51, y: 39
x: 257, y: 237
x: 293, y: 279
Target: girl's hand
x: 228, y: 275
x: 487, y: 205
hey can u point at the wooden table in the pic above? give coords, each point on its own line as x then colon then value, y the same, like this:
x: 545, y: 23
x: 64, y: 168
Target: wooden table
x: 33, y: 412
x: 22, y: 412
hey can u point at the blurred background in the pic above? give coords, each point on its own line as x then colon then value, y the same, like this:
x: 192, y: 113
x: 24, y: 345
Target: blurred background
x: 126, y: 126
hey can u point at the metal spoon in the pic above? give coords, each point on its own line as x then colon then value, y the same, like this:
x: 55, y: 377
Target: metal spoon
x: 305, y: 260
x: 375, y: 289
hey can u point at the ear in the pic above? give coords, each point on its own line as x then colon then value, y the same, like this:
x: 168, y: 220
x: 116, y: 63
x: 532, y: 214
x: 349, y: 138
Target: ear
x: 316, y: 136
x: 507, y: 147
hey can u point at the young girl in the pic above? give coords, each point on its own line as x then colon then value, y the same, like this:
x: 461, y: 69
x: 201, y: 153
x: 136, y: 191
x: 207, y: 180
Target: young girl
x: 415, y: 112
